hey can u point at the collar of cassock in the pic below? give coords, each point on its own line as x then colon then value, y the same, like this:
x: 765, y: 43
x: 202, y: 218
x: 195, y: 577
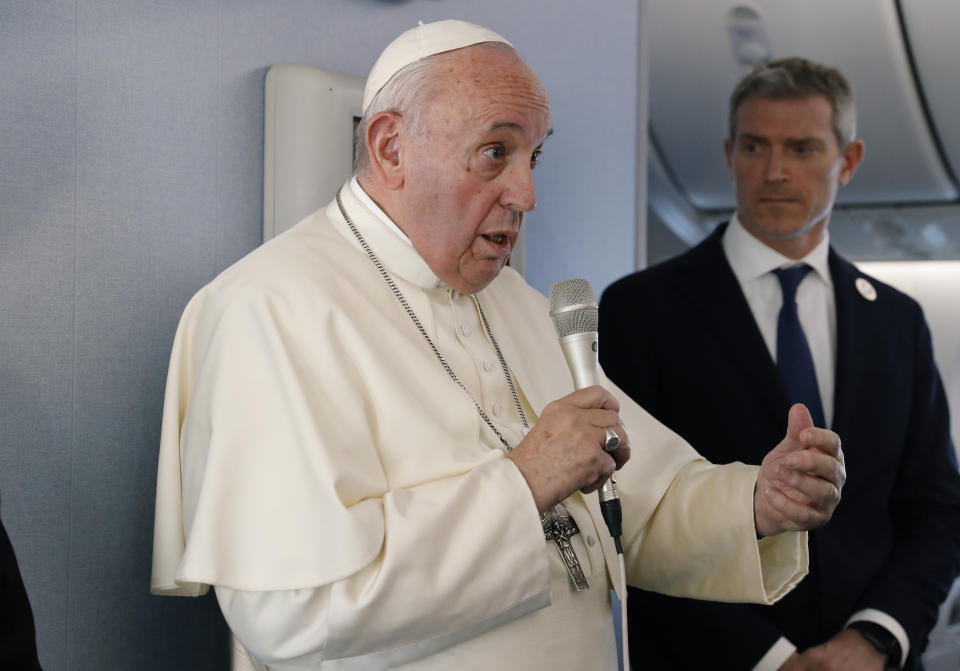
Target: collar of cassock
x: 388, y: 242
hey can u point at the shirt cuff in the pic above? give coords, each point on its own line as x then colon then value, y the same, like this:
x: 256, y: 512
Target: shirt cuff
x: 778, y: 653
x: 888, y: 623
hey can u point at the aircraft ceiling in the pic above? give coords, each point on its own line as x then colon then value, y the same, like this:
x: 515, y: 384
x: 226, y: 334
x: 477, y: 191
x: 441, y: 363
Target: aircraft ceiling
x: 904, y: 66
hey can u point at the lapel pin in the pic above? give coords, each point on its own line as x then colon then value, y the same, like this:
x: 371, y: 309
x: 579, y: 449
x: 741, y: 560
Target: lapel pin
x: 866, y: 289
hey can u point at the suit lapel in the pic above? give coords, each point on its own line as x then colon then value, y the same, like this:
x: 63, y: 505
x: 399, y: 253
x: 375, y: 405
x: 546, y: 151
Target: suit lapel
x: 708, y: 282
x: 852, y: 326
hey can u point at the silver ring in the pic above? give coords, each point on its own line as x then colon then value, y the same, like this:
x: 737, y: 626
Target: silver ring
x: 612, y: 442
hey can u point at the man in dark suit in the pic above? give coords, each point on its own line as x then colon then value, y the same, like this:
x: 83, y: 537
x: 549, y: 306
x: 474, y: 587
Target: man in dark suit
x: 701, y: 342
x: 18, y: 644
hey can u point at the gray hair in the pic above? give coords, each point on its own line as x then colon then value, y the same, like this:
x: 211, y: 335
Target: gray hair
x: 799, y: 78
x: 406, y: 93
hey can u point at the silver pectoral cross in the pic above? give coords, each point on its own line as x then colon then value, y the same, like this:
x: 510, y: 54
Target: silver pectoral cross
x: 559, y: 527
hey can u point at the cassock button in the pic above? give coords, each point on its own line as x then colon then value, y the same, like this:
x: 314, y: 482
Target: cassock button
x: 865, y: 288
x: 591, y: 540
x: 488, y: 365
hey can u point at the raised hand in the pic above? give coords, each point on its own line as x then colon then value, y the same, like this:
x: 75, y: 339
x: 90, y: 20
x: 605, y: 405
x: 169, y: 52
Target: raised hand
x: 799, y: 483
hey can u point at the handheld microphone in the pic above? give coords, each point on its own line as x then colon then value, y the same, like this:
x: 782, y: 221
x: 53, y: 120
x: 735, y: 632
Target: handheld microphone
x: 573, y: 308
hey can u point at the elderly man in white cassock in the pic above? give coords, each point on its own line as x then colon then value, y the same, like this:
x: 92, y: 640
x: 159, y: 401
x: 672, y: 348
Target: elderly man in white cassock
x: 372, y: 447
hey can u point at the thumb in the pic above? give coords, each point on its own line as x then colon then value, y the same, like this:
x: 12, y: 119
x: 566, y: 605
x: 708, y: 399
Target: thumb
x: 798, y: 419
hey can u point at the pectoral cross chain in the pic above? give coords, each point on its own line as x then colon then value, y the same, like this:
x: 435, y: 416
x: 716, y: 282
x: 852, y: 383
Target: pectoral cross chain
x: 558, y: 526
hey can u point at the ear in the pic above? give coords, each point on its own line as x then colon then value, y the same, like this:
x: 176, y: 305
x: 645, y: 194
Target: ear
x: 852, y: 155
x: 383, y: 145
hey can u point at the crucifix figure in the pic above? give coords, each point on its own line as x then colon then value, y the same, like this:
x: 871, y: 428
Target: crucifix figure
x: 559, y: 527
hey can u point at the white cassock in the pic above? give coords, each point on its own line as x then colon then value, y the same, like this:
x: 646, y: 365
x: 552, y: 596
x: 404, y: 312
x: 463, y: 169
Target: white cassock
x: 322, y: 470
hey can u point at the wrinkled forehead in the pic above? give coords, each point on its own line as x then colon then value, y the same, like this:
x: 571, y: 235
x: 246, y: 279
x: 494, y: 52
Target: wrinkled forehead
x: 485, y: 83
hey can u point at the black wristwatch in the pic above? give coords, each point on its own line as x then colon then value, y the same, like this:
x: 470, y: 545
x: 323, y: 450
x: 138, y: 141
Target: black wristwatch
x: 880, y: 638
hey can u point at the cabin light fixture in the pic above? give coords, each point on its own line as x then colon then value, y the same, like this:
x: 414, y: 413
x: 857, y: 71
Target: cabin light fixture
x: 747, y: 36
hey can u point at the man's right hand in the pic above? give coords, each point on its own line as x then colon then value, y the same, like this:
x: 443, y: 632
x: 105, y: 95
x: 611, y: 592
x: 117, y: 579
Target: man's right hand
x: 564, y: 451
x: 846, y: 651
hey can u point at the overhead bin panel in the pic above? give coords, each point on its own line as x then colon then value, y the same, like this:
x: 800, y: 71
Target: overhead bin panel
x: 699, y: 50
x: 933, y: 31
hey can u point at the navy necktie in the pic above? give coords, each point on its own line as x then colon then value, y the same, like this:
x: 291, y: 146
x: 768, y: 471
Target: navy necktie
x: 793, y: 352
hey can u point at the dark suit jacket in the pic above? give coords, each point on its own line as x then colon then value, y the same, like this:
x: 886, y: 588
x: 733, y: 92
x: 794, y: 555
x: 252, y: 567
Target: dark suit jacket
x: 18, y: 645
x: 681, y: 340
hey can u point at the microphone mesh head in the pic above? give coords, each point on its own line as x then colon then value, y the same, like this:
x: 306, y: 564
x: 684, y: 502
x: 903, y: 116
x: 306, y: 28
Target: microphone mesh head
x: 573, y: 307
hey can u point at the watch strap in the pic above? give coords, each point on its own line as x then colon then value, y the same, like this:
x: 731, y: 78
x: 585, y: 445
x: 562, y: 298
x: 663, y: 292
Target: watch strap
x: 880, y: 638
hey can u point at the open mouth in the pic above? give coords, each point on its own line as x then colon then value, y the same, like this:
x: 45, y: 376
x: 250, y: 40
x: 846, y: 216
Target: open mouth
x: 498, y: 238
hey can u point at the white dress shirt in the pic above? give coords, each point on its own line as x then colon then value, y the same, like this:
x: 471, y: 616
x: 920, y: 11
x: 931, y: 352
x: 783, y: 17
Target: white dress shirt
x: 753, y: 262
